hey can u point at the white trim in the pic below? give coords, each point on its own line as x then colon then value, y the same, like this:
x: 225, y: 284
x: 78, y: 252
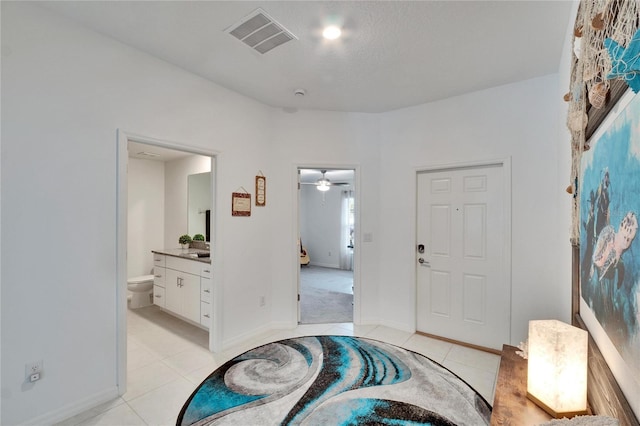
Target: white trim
x: 122, y: 161
x: 122, y: 158
x: 74, y: 408
x: 239, y: 340
x: 398, y: 326
x: 356, y: 251
x: 505, y: 164
x: 325, y: 265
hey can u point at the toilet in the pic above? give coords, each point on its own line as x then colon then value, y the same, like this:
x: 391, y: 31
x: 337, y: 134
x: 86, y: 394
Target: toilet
x: 141, y: 289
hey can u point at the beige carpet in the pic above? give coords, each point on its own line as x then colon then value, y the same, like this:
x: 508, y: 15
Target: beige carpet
x: 326, y: 295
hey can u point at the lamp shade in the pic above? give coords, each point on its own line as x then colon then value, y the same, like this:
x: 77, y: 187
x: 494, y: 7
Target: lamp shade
x: 557, y: 368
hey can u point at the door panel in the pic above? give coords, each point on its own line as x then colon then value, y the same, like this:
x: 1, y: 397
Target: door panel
x: 462, y: 287
x: 441, y: 294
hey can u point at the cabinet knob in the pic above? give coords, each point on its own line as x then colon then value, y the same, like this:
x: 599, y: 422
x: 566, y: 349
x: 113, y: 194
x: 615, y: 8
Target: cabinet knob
x: 206, y: 290
x: 158, y: 276
x: 206, y: 316
x: 158, y: 296
x: 207, y: 271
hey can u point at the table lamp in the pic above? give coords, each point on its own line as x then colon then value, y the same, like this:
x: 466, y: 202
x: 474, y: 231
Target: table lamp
x: 557, y: 368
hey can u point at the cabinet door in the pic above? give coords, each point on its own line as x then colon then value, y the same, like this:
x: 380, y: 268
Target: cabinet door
x: 173, y: 295
x: 190, y: 296
x: 182, y: 294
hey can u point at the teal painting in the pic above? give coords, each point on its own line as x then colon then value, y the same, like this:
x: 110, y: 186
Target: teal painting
x: 609, y: 245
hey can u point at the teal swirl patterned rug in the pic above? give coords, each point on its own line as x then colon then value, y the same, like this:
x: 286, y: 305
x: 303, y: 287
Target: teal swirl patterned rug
x: 333, y: 380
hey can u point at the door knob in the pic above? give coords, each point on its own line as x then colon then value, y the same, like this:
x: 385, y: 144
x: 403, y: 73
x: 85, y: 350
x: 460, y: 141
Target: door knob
x: 423, y: 262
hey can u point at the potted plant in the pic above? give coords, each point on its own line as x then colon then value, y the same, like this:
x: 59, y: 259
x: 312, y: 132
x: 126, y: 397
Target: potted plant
x: 198, y: 242
x: 184, y: 241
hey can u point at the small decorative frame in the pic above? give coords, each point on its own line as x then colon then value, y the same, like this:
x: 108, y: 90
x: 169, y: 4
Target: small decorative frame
x: 261, y: 190
x: 240, y: 204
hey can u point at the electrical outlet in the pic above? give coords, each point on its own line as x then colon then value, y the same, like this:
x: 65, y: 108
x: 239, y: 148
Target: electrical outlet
x: 33, y: 370
x: 262, y: 301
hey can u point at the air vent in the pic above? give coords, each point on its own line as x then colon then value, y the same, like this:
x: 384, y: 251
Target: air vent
x: 147, y: 154
x: 260, y: 31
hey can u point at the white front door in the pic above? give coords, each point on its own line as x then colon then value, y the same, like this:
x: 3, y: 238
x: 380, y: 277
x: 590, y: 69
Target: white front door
x: 463, y: 285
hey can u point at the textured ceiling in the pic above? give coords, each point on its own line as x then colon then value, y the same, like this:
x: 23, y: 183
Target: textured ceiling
x: 392, y: 54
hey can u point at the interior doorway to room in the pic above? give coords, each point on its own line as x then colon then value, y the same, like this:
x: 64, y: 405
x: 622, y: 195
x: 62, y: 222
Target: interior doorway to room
x: 463, y: 254
x: 326, y: 211
x: 164, y: 191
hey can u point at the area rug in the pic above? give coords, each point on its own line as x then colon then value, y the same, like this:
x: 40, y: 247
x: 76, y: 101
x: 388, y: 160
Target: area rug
x: 333, y: 380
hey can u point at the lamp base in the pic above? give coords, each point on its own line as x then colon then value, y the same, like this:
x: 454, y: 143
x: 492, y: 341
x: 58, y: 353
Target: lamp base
x: 553, y: 413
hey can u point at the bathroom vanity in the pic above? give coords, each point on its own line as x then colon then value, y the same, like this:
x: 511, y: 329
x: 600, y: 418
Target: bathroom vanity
x: 182, y: 284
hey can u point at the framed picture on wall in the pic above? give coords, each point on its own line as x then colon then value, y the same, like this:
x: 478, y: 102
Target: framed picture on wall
x: 261, y: 191
x: 240, y: 204
x: 609, y: 199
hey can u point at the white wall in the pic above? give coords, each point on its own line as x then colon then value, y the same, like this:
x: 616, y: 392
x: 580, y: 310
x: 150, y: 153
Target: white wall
x: 323, y: 138
x: 65, y: 92
x: 518, y: 121
x: 145, y: 230
x: 177, y: 191
x: 321, y: 235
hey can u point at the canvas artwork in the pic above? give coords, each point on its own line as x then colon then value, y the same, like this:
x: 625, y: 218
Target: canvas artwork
x: 609, y: 244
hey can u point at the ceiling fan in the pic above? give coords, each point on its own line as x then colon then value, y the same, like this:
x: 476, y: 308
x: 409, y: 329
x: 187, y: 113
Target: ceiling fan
x: 323, y: 184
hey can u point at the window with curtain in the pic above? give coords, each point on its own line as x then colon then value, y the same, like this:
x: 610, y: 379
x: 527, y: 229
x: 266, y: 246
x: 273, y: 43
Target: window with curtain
x: 347, y: 230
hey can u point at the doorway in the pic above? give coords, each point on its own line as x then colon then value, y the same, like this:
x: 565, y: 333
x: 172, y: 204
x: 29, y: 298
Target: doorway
x: 139, y: 204
x: 327, y: 228
x: 463, y: 253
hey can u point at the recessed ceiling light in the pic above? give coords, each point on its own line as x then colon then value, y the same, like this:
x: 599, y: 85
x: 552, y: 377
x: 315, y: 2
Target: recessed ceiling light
x: 331, y: 32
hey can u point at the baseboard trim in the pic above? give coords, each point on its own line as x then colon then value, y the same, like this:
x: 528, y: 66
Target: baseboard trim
x: 325, y: 265
x: 398, y: 326
x: 74, y: 408
x: 368, y: 321
x: 236, y: 340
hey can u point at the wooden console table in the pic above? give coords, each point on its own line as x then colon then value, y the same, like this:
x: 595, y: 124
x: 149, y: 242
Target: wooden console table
x: 510, y: 404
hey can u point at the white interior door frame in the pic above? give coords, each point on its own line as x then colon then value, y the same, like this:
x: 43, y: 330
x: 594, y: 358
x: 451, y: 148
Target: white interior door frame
x: 122, y: 160
x: 505, y: 163
x: 295, y: 258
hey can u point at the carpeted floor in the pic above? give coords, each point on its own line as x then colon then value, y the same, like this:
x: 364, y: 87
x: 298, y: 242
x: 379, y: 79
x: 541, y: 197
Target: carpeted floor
x: 326, y: 295
x: 333, y: 380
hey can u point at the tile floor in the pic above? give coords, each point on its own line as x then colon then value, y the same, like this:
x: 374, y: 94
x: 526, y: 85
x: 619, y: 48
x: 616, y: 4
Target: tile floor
x: 168, y: 359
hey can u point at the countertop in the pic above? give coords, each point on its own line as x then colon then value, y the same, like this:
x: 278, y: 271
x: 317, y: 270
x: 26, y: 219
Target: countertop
x: 190, y: 253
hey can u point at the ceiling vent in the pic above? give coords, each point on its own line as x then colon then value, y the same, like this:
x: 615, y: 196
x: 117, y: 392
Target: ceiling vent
x: 260, y: 32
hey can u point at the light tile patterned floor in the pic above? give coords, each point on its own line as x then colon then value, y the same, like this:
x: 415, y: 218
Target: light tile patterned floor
x: 168, y: 359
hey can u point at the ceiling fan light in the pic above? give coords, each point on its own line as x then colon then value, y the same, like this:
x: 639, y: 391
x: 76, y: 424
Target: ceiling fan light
x: 323, y: 185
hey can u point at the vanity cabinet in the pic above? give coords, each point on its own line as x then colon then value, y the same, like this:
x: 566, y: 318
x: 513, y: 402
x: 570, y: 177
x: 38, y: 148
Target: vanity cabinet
x: 183, y: 287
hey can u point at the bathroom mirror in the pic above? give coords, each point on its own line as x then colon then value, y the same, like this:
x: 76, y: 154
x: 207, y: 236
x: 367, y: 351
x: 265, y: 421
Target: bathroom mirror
x: 198, y: 203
